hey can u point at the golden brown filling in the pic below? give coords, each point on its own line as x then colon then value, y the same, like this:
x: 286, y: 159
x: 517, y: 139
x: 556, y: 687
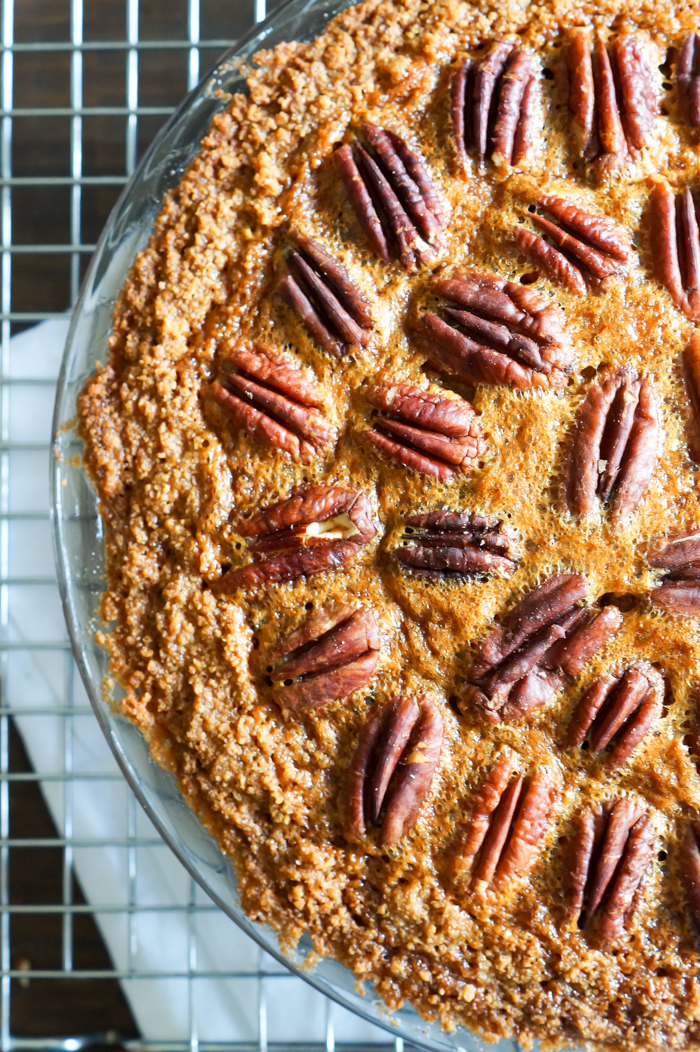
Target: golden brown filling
x: 397, y: 449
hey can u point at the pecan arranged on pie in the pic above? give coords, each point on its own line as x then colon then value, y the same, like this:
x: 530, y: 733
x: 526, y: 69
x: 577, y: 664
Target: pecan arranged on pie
x: 679, y: 589
x: 617, y: 710
x: 504, y: 834
x: 452, y: 543
x: 675, y: 246
x: 583, y: 250
x: 614, y: 447
x: 333, y: 653
x: 393, y: 767
x: 266, y: 396
x: 325, y: 298
x: 397, y: 451
x: 613, y: 95
x: 611, y: 850
x: 689, y: 863
x: 688, y: 80
x: 691, y: 369
x: 494, y: 106
x: 549, y: 635
x: 433, y: 434
x: 317, y: 529
x: 393, y: 197
x: 496, y: 332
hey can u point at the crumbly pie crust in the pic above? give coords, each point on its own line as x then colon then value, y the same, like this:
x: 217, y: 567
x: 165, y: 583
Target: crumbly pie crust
x: 397, y: 452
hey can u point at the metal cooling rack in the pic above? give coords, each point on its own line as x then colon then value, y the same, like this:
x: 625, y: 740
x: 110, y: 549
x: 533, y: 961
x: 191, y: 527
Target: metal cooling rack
x: 26, y: 450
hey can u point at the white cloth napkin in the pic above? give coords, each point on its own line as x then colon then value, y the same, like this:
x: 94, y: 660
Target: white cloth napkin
x: 140, y: 894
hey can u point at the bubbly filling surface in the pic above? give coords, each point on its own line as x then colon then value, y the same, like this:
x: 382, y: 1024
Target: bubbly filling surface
x: 177, y: 485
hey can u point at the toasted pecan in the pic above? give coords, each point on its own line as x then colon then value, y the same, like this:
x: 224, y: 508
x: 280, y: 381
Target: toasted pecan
x: 582, y: 90
x: 262, y: 393
x: 524, y: 660
x: 462, y: 109
x: 624, y: 894
x: 498, y: 332
x: 485, y: 803
x: 688, y: 80
x: 689, y: 866
x: 584, y: 250
x: 318, y: 528
x: 691, y: 372
x: 639, y: 100
x: 333, y: 653
x: 494, y: 106
x: 675, y: 245
x: 609, y: 854
x: 445, y: 543
x: 517, y: 76
x: 679, y: 591
x: 488, y: 72
x: 324, y: 297
x: 393, y: 196
x: 613, y: 96
x: 619, y: 710
x: 432, y: 433
x: 528, y: 829
x: 508, y: 821
x: 393, y: 767
x: 614, y: 447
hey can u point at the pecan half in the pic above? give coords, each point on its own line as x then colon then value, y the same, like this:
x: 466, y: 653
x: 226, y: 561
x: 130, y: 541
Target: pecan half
x: 615, y: 445
x: 688, y: 80
x: 582, y: 92
x: 612, y: 97
x: 318, y: 528
x: 429, y: 432
x: 610, y: 852
x: 676, y: 553
x: 393, y: 768
x: 639, y: 100
x: 494, y: 106
x: 261, y: 392
x: 546, y: 637
x: 512, y: 112
x: 498, y: 332
x: 619, y: 710
x: 611, y: 135
x: 485, y: 804
x: 689, y: 866
x: 528, y: 829
x: 679, y: 592
x: 507, y: 824
x: 488, y: 72
x: 691, y: 370
x: 454, y: 543
x: 329, y: 656
x: 393, y: 197
x: 462, y: 109
x: 528, y: 131
x: 584, y: 250
x: 325, y: 298
x: 675, y: 245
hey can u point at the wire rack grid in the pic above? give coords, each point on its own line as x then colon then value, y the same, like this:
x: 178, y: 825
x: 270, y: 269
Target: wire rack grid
x: 42, y: 696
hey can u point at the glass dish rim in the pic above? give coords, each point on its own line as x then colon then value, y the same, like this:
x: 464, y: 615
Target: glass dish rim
x: 368, y: 1007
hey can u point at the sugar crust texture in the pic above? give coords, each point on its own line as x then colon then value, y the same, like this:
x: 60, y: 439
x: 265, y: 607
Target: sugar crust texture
x: 267, y: 783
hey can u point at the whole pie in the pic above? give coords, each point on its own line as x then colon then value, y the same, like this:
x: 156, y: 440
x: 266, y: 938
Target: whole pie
x: 398, y: 453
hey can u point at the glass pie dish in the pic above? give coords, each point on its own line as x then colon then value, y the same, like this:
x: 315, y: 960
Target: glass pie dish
x: 78, y: 529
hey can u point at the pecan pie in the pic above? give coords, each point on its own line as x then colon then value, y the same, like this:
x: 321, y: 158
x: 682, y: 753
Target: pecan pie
x: 397, y: 449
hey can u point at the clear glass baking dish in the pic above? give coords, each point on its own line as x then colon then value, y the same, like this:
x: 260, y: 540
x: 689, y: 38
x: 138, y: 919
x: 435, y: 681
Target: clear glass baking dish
x: 78, y: 529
